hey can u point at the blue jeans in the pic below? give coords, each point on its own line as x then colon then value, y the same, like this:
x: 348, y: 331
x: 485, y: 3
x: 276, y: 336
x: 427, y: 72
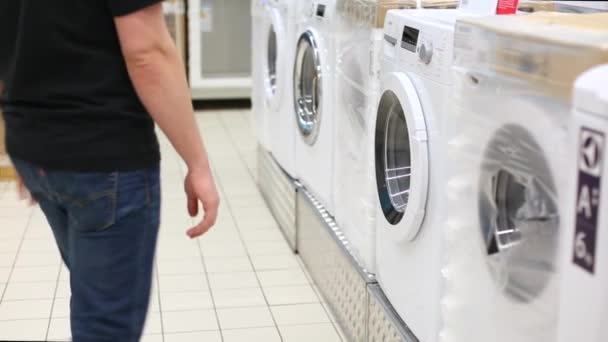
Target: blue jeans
x: 106, y: 227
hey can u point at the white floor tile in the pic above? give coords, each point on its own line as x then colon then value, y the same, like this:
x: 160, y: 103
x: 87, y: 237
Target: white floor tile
x: 189, y: 321
x: 299, y: 314
x: 5, y: 273
x: 183, y: 266
x: 35, y: 273
x: 59, y: 329
x: 38, y: 246
x: 30, y: 259
x: 8, y: 246
x: 233, y: 280
x: 153, y: 324
x: 232, y: 298
x: 25, y: 309
x: 228, y: 264
x: 7, y: 259
x: 274, y: 248
x: 229, y: 249
x: 282, y: 278
x: 307, y: 333
x: 38, y: 290
x: 28, y: 330
x: 63, y: 289
x: 61, y: 308
x: 273, y: 262
x: 199, y: 336
x: 252, y: 335
x: 298, y: 294
x: 152, y: 338
x: 183, y: 282
x: 180, y: 301
x: 239, y: 318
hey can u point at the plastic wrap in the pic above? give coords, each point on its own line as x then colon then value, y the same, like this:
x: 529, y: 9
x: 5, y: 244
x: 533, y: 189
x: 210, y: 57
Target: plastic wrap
x: 542, y: 48
x: 358, y: 54
x: 507, y: 147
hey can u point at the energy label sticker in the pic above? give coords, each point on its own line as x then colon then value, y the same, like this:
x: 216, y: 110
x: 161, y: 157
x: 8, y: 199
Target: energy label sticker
x: 590, y: 164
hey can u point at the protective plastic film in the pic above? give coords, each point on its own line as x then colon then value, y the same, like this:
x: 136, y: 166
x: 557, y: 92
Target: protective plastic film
x: 370, y: 13
x: 542, y: 49
x: 358, y: 54
x: 506, y: 153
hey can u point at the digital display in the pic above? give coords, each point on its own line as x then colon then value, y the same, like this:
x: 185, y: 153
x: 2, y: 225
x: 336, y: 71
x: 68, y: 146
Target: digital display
x: 321, y: 11
x: 409, y: 39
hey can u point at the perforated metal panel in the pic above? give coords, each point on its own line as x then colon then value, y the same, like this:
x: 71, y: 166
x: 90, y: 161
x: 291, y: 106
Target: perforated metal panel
x: 279, y: 191
x: 384, y: 325
x: 340, y: 280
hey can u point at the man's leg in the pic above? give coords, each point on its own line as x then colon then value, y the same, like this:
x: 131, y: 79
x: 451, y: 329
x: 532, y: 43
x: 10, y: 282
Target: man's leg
x: 112, y: 239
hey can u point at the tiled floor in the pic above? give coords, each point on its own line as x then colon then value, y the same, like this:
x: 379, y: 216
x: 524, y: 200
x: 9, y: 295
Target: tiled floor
x: 239, y: 283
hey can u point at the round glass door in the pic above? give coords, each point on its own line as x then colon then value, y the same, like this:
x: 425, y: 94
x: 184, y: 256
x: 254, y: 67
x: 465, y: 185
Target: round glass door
x: 394, y: 162
x: 519, y: 214
x: 401, y: 157
x: 308, y: 87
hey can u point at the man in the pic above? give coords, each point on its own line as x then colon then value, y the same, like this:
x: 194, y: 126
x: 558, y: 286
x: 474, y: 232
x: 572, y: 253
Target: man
x: 84, y: 83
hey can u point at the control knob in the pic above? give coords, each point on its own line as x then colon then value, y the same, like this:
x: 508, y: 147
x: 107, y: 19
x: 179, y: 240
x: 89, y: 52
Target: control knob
x: 425, y: 52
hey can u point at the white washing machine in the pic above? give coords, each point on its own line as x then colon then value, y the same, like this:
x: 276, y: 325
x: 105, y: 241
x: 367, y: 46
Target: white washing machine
x: 507, y: 185
x: 410, y: 170
x: 259, y: 115
x: 278, y: 47
x: 313, y: 90
x: 359, y: 36
x: 584, y: 299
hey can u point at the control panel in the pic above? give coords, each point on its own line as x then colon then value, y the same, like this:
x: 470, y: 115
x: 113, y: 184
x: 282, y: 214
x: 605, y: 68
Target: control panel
x: 426, y: 47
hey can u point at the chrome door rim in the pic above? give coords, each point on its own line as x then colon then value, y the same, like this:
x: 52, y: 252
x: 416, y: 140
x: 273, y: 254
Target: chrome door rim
x: 308, y: 89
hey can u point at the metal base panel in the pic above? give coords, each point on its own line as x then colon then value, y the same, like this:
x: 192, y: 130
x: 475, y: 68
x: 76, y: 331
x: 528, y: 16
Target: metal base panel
x: 279, y: 191
x: 340, y: 280
x: 384, y: 325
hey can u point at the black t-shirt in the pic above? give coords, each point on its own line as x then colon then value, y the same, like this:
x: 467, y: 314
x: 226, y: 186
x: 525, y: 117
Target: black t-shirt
x: 68, y: 102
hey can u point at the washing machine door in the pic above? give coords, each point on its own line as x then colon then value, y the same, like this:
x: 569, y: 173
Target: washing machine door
x: 308, y: 87
x: 401, y: 154
x: 519, y: 211
x: 274, y: 63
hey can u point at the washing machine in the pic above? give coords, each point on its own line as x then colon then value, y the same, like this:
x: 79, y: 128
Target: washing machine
x: 507, y: 182
x: 278, y: 48
x: 584, y: 301
x: 359, y: 37
x: 410, y: 168
x: 259, y: 118
x: 313, y: 99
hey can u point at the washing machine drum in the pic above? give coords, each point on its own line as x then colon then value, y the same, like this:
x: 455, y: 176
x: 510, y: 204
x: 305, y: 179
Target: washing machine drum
x: 518, y: 210
x: 308, y: 87
x: 401, y: 157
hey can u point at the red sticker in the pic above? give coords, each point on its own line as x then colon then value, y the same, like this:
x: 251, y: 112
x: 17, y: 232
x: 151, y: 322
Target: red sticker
x: 507, y: 6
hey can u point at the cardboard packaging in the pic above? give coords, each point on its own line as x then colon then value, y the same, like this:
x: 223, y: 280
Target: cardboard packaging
x: 548, y: 49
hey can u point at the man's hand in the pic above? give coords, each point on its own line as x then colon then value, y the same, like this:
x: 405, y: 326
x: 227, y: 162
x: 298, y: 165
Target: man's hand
x: 24, y: 193
x: 200, y: 186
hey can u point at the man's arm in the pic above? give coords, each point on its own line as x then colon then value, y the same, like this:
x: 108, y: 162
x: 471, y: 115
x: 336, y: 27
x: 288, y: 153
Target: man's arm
x: 158, y: 74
